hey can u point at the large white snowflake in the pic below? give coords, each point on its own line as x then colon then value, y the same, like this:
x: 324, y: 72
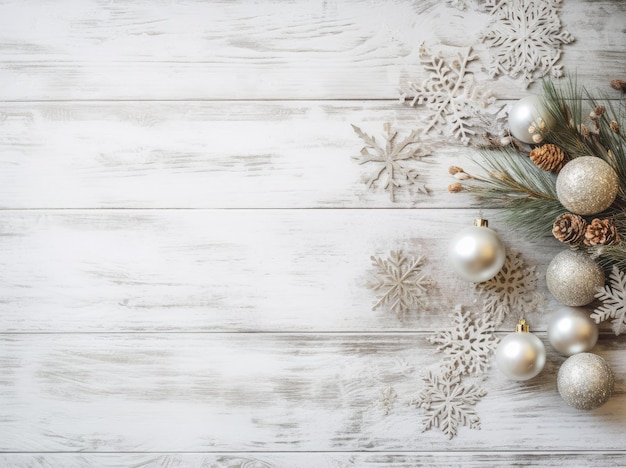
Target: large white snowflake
x: 449, y: 92
x: 401, y: 282
x: 613, y: 299
x: 393, y: 160
x: 447, y: 403
x: 514, y: 288
x: 525, y: 38
x: 468, y: 344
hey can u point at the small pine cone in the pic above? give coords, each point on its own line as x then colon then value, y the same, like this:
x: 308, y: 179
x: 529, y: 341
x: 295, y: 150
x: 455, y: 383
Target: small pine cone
x: 614, y: 126
x: 599, y: 110
x: 455, y: 188
x: 570, y: 229
x: 455, y: 170
x: 601, y: 232
x: 548, y: 157
x: 584, y: 130
x: 620, y: 85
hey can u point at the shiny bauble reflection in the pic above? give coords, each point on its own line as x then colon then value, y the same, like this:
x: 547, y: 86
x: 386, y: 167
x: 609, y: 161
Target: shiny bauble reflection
x: 572, y: 331
x: 520, y: 356
x: 527, y: 112
x: 477, y: 254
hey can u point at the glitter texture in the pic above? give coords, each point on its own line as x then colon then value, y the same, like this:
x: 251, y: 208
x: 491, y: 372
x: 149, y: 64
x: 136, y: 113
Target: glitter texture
x: 585, y: 381
x: 573, y: 277
x: 587, y: 185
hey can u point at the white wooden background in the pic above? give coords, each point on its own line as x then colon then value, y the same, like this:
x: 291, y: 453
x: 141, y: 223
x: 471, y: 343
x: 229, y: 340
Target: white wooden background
x: 185, y: 239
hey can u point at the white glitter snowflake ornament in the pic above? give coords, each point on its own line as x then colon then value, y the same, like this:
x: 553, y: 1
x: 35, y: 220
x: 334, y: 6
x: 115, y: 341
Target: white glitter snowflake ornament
x: 448, y: 403
x: 401, y: 282
x: 394, y: 161
x: 468, y: 345
x: 613, y: 299
x: 449, y: 92
x: 525, y: 38
x: 514, y: 288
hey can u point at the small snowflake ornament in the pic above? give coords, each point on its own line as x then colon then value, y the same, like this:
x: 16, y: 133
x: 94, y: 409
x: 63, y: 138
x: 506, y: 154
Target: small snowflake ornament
x: 393, y: 161
x: 468, y: 345
x: 613, y: 299
x: 525, y: 38
x: 400, y: 281
x: 448, y: 403
x: 449, y: 92
x: 514, y: 288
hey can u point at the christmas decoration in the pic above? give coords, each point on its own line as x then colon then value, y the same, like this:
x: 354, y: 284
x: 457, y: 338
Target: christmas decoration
x: 477, y: 253
x: 401, y: 282
x: 619, y: 85
x: 529, y: 119
x: 525, y: 38
x: 613, y: 299
x: 572, y: 331
x: 601, y: 232
x: 548, y: 157
x: 393, y: 160
x: 514, y: 288
x: 520, y: 355
x: 585, y: 381
x: 570, y: 229
x: 468, y: 345
x: 587, y: 185
x: 573, y: 278
x: 450, y: 93
x: 447, y: 403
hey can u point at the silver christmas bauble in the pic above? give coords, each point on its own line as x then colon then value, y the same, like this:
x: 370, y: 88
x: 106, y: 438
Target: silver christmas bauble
x: 520, y: 355
x: 477, y: 253
x: 587, y: 185
x: 571, y: 331
x: 527, y: 113
x: 585, y: 381
x: 573, y: 277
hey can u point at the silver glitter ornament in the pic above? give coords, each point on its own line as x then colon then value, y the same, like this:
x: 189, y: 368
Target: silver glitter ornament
x: 587, y: 185
x: 477, y: 253
x: 585, y: 381
x: 520, y: 355
x: 528, y: 114
x: 571, y: 331
x: 573, y: 277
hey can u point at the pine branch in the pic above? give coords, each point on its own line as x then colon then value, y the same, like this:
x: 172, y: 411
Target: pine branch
x: 527, y: 192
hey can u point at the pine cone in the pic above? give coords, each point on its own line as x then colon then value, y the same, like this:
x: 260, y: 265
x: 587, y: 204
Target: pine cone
x: 548, y: 157
x: 601, y: 232
x: 570, y: 229
x: 614, y: 126
x: 620, y: 85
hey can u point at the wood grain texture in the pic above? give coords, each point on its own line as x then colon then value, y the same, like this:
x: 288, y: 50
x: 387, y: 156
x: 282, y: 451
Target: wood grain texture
x: 318, y: 460
x: 230, y: 270
x: 207, y: 155
x: 100, y: 49
x: 216, y: 392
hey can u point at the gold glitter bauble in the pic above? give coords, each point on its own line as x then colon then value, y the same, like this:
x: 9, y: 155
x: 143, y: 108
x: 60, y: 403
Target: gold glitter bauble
x: 585, y: 381
x: 573, y: 277
x: 587, y: 185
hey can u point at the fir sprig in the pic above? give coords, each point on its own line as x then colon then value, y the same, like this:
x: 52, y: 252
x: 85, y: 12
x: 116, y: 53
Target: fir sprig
x: 526, y: 192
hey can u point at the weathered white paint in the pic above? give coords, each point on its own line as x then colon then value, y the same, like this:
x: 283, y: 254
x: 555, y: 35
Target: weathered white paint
x: 237, y: 331
x: 229, y: 270
x: 220, y: 392
x: 101, y: 49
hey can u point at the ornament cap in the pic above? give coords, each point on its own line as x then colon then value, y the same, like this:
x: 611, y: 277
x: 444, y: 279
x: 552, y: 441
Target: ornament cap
x: 522, y: 326
x: 480, y: 222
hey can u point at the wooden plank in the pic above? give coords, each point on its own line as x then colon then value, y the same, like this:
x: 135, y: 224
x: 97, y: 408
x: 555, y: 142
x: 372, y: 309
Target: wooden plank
x: 317, y: 460
x: 223, y: 392
x: 99, y: 49
x: 229, y: 270
x: 208, y: 155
